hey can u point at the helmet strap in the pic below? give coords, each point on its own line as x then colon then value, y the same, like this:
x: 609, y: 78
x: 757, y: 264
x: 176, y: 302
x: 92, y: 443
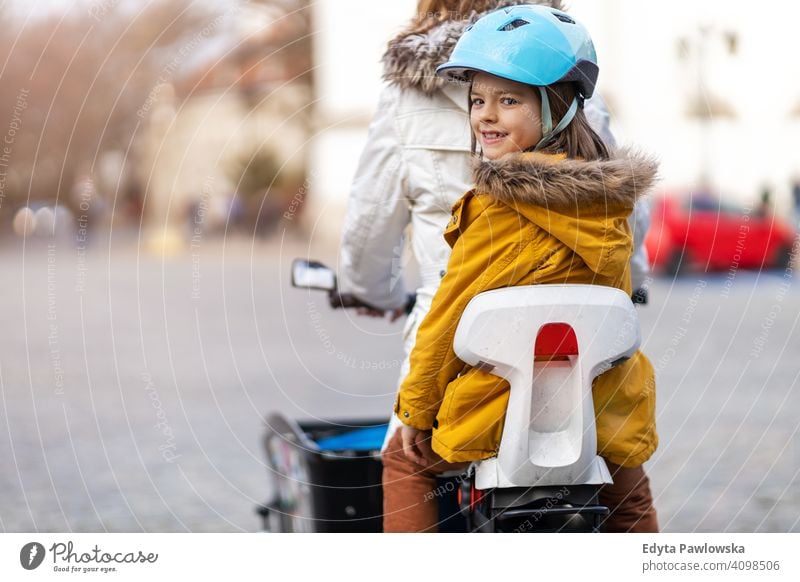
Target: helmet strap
x: 548, y: 131
x: 547, y: 117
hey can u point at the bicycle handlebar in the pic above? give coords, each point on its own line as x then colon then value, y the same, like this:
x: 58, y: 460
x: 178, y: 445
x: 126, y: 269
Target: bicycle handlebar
x: 349, y: 301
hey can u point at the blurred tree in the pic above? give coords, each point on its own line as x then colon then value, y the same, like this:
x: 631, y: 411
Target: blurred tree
x: 255, y: 174
x: 291, y: 35
x: 265, y: 190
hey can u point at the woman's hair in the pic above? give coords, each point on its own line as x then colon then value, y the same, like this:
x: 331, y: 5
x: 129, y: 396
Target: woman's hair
x: 431, y: 13
x: 578, y: 139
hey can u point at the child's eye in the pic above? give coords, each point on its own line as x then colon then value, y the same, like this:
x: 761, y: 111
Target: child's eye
x: 509, y: 101
x: 476, y: 101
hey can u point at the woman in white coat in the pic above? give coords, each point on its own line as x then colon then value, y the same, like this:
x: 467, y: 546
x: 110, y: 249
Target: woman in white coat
x: 417, y: 164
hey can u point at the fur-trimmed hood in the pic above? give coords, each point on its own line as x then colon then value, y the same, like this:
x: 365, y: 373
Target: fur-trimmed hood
x: 584, y: 204
x: 410, y: 61
x: 562, y: 184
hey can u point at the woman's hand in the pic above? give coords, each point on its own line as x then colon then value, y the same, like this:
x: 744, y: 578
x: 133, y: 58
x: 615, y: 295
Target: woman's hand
x: 394, y: 314
x: 415, y: 443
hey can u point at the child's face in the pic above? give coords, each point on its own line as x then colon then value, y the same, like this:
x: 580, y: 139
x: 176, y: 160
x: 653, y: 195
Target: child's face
x: 505, y: 115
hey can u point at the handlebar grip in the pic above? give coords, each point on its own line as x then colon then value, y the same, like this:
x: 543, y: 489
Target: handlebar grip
x: 411, y: 301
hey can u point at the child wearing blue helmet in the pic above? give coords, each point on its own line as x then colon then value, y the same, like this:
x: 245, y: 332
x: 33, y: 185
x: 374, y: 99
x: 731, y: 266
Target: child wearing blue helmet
x: 550, y: 205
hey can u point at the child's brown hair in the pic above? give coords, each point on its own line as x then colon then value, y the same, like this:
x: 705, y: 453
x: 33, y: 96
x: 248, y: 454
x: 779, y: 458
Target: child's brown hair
x: 578, y: 139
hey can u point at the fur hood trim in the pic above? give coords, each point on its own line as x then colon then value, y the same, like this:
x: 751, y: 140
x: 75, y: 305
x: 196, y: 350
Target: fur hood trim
x: 410, y: 61
x: 559, y: 183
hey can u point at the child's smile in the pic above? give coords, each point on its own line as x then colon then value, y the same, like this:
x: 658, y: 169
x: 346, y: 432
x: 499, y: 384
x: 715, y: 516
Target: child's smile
x: 504, y: 115
x: 490, y: 138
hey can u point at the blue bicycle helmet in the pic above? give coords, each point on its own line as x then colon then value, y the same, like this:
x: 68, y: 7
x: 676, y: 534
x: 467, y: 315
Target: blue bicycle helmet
x: 531, y: 44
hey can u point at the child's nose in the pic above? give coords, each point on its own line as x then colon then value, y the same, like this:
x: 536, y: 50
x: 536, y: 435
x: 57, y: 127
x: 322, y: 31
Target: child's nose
x: 488, y: 113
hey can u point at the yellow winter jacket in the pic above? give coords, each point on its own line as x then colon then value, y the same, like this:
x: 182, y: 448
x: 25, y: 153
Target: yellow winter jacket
x: 531, y: 219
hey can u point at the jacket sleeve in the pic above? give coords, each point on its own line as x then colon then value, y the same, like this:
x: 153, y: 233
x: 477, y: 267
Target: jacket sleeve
x: 597, y: 115
x: 486, y: 255
x: 640, y: 262
x: 377, y: 215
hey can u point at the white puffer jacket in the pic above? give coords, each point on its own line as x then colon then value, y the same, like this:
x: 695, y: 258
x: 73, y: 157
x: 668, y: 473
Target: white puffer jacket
x: 415, y: 166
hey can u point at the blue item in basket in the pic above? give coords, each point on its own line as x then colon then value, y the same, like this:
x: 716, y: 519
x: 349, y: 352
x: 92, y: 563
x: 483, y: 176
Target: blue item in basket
x: 369, y: 438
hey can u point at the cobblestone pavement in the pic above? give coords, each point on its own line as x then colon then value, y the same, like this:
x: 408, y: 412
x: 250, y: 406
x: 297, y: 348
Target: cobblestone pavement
x: 133, y: 387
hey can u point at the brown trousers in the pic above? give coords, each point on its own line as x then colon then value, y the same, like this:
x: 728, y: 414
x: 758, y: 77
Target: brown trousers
x: 410, y: 502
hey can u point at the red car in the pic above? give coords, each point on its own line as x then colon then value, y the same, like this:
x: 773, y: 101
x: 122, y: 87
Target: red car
x: 701, y: 232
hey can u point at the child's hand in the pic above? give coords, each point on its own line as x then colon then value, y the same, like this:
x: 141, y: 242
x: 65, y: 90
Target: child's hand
x: 413, y: 443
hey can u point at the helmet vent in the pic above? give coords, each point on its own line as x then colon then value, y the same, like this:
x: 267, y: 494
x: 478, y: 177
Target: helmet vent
x: 564, y: 18
x: 513, y: 25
